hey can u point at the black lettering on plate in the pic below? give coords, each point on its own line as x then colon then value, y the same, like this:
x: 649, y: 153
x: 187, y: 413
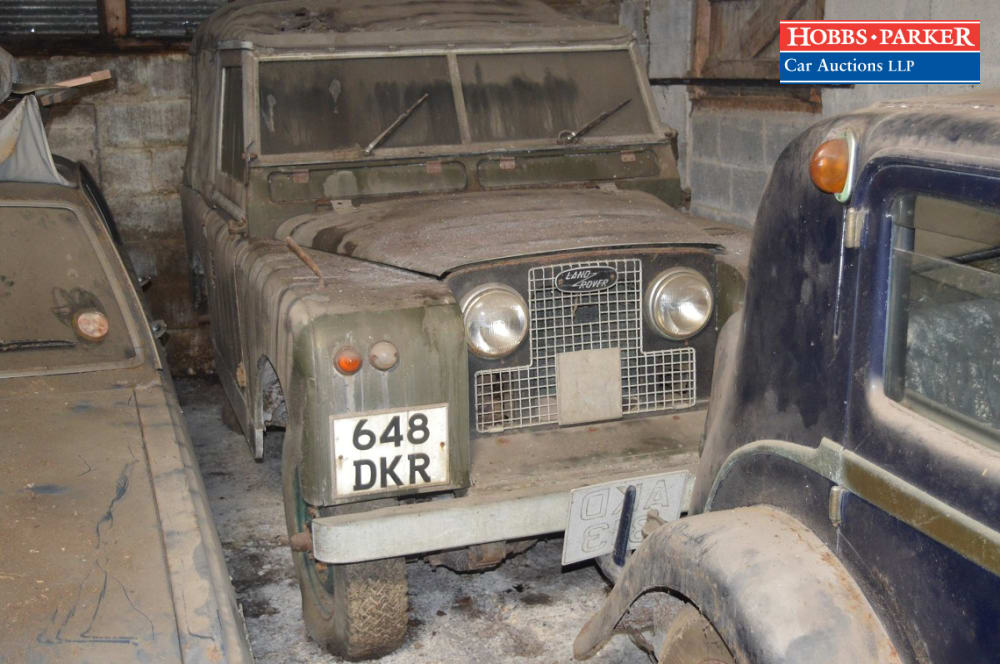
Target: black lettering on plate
x: 418, y: 464
x: 418, y: 433
x: 372, y: 474
x: 390, y: 470
x: 392, y: 434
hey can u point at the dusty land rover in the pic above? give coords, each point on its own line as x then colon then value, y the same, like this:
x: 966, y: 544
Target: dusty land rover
x: 435, y: 243
x: 848, y: 497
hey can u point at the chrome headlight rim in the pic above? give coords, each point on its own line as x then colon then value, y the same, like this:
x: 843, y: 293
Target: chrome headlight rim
x: 661, y: 284
x: 472, y: 298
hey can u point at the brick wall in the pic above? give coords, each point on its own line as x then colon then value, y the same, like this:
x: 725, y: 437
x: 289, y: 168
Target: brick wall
x: 132, y: 134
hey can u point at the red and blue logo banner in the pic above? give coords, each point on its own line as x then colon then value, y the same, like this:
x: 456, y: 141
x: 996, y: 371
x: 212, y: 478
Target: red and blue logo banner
x: 879, y: 51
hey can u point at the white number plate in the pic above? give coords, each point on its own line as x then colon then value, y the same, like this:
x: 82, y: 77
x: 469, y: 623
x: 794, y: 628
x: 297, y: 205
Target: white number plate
x: 388, y: 450
x: 594, y: 512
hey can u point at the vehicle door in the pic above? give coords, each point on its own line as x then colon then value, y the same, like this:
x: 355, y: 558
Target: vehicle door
x: 923, y: 433
x: 230, y: 199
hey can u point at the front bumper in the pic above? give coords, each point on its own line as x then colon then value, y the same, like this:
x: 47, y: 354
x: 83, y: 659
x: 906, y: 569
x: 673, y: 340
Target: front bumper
x: 520, y: 488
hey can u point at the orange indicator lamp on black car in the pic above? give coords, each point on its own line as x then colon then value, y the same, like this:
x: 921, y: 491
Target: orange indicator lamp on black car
x: 832, y: 166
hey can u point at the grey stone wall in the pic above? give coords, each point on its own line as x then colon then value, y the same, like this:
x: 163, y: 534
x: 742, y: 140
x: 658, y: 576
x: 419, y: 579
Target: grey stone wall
x: 131, y: 133
x: 726, y: 155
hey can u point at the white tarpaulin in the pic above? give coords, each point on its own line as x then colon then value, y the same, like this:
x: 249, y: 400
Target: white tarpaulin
x: 24, y: 150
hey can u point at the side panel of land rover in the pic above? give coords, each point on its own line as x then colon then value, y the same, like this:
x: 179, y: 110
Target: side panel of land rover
x: 441, y: 254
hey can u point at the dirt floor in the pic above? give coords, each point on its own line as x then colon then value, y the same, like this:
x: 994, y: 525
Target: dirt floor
x: 528, y: 609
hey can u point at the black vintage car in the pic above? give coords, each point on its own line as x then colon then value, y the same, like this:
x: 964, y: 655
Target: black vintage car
x: 848, y: 495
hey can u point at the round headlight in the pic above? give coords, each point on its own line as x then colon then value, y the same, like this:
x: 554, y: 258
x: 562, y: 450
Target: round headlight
x: 496, y: 320
x: 679, y: 303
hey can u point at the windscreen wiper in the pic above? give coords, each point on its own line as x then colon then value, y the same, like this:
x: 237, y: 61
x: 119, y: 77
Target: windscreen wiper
x: 378, y: 140
x: 34, y: 344
x: 976, y: 256
x: 567, y: 136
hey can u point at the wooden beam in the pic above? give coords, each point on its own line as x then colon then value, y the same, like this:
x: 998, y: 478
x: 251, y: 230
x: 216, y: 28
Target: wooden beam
x: 114, y: 17
x: 762, y: 27
x: 702, y: 28
x: 102, y: 75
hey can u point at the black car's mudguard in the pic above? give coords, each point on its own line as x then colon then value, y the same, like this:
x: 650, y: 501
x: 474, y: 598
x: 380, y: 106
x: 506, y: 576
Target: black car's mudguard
x: 775, y: 593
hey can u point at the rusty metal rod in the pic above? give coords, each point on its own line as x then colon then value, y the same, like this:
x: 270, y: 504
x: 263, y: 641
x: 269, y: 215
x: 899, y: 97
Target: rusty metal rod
x: 294, y: 247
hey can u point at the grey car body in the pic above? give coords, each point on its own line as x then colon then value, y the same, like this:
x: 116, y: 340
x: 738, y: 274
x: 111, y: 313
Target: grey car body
x: 415, y: 154
x: 109, y: 549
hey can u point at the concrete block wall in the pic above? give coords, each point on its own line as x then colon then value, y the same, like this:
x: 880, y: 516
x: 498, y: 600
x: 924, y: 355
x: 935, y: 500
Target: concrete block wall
x: 132, y: 134
x: 729, y: 158
x: 726, y: 155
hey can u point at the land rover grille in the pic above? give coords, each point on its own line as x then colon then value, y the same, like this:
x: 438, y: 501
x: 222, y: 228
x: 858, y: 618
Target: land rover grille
x: 515, y: 397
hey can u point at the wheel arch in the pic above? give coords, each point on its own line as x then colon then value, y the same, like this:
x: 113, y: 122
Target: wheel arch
x: 775, y: 593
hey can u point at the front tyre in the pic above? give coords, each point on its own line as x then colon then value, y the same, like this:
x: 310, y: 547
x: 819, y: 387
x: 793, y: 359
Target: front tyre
x: 358, y: 610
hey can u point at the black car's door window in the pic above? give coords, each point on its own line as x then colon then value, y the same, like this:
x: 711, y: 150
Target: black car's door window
x: 943, y: 348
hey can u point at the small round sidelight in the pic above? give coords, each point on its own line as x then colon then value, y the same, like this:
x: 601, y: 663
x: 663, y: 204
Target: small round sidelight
x: 831, y: 166
x: 383, y: 355
x: 91, y: 325
x: 679, y: 303
x: 347, y: 361
x: 496, y: 320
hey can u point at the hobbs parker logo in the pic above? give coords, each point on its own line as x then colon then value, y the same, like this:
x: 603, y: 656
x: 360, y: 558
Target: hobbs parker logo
x: 879, y: 51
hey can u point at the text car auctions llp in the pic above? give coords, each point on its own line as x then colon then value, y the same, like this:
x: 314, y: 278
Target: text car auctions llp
x: 879, y: 51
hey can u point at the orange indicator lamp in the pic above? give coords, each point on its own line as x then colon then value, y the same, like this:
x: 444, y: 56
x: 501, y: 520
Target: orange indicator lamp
x: 832, y: 166
x: 347, y: 360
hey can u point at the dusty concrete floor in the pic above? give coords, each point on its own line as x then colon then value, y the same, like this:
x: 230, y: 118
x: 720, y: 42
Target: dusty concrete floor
x: 527, y: 610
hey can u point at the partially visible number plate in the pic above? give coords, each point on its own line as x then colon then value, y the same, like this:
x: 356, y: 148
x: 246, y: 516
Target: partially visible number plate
x: 387, y: 450
x: 595, y: 511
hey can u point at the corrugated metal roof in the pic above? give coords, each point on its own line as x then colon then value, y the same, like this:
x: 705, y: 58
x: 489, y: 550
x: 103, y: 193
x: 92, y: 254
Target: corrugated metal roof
x: 168, y: 18
x: 49, y: 17
x: 146, y: 18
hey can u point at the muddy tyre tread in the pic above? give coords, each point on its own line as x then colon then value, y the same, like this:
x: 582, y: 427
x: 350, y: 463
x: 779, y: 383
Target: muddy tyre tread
x: 366, y: 615
x: 374, y: 609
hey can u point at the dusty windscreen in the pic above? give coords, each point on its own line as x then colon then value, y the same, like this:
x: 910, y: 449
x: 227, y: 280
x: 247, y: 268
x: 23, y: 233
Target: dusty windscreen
x: 49, y: 271
x: 317, y: 105
x: 513, y: 96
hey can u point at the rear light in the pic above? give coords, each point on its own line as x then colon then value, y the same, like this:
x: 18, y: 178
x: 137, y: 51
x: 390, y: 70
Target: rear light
x: 91, y: 325
x: 347, y: 361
